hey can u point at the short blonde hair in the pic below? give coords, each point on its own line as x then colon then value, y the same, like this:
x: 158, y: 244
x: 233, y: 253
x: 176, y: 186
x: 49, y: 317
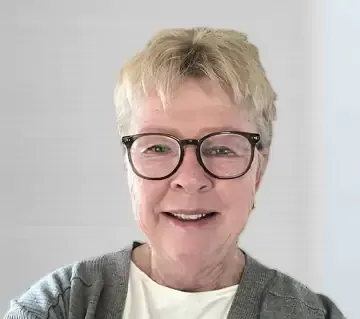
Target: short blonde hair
x: 222, y: 55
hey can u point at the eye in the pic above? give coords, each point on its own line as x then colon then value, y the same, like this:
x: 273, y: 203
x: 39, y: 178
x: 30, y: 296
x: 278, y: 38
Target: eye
x: 218, y: 151
x: 159, y: 148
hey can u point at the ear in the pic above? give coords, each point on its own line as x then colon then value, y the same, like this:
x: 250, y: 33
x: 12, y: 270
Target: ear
x: 258, y: 179
x: 263, y: 160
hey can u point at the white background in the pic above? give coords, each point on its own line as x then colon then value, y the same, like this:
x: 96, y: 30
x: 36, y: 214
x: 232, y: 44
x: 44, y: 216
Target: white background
x: 63, y: 194
x: 341, y: 63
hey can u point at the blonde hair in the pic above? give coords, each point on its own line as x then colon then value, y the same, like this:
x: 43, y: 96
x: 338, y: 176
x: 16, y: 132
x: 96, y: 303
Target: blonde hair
x: 173, y: 55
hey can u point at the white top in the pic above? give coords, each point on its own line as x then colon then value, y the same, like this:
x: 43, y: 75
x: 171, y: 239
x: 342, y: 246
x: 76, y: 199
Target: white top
x: 146, y: 299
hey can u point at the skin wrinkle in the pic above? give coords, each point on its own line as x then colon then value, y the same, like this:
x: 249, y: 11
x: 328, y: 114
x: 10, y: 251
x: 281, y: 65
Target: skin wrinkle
x: 214, y: 271
x: 168, y: 257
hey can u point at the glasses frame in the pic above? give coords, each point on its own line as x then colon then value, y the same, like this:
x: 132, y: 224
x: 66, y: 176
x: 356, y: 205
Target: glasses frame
x: 253, y: 138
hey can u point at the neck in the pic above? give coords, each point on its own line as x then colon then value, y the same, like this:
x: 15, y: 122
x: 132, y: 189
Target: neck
x: 191, y: 276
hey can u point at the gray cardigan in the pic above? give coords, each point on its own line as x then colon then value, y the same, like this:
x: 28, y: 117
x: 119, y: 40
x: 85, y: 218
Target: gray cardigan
x: 97, y: 287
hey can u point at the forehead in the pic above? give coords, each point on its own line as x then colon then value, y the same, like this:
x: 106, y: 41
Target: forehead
x: 197, y: 108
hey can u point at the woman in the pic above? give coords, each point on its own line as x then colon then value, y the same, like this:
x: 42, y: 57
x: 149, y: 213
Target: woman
x: 195, y: 113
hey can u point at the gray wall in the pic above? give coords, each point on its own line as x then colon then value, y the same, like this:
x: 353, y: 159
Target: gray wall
x: 63, y: 194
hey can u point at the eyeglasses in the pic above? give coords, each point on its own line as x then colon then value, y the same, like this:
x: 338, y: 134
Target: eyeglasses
x: 223, y: 155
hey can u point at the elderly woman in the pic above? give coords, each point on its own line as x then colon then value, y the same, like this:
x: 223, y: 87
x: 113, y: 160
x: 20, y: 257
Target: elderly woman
x: 195, y: 112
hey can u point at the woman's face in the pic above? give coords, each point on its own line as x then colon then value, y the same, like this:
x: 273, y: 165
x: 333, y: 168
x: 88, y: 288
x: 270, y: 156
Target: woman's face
x: 198, y: 108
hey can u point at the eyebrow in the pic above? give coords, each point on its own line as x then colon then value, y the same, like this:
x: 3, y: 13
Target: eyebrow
x: 175, y: 132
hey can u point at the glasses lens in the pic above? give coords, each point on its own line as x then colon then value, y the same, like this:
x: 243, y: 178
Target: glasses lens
x: 155, y: 156
x: 226, y: 155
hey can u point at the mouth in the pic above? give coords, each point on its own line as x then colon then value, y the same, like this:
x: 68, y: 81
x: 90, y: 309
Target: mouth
x: 191, y: 218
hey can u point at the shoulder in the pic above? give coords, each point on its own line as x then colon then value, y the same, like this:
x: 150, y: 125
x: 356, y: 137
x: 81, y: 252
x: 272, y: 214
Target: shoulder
x: 52, y: 295
x: 284, y: 293
x: 286, y: 287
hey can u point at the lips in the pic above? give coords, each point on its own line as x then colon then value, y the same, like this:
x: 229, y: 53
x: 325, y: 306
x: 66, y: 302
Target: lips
x: 191, y: 216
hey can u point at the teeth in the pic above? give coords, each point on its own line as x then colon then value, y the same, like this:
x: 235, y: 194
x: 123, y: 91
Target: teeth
x: 189, y: 217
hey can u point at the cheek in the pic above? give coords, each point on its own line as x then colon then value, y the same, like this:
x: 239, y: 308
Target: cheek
x: 146, y: 196
x: 239, y: 195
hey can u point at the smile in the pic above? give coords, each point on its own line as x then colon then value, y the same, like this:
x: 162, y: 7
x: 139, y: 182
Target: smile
x: 191, y: 217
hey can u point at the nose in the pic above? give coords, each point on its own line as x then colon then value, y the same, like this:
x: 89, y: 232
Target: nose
x: 190, y: 176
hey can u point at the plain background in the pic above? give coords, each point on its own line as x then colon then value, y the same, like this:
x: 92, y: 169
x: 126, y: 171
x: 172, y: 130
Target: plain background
x: 63, y: 193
